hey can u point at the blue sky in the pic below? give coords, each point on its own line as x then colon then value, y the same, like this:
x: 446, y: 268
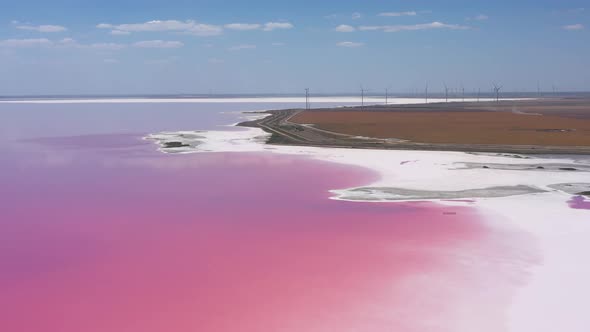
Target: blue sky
x: 141, y: 47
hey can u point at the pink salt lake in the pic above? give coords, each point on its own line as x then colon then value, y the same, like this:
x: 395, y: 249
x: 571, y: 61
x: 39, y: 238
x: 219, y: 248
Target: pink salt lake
x: 100, y: 232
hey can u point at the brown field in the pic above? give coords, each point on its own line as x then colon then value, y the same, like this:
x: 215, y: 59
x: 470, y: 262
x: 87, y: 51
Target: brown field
x: 523, y: 123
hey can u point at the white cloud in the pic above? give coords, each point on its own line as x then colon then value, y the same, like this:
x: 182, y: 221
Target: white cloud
x: 205, y: 30
x: 67, y: 41
x: 162, y: 61
x: 156, y: 25
x: 356, y: 16
x: 120, y: 33
x: 480, y: 17
x: 350, y: 44
x: 104, y: 26
x: 242, y: 47
x: 398, y: 14
x: 189, y: 26
x: 105, y: 46
x: 345, y: 28
x: 414, y: 27
x: 270, y: 26
x: 63, y: 43
x: 71, y: 43
x: 42, y: 28
x: 158, y: 44
x: 243, y: 26
x: 573, y: 27
x: 25, y: 43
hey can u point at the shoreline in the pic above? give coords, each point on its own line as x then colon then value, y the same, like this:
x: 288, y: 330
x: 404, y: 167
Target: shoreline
x: 257, y: 136
x: 290, y: 133
x: 542, y: 209
x: 528, y: 174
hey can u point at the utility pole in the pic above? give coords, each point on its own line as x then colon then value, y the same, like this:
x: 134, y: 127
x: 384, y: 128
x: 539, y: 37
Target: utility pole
x: 446, y: 93
x: 307, y: 99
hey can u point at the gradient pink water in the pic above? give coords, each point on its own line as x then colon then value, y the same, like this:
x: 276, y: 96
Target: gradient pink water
x: 102, y: 233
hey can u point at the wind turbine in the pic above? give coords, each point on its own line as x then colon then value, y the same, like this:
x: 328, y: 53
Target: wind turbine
x: 307, y: 98
x: 497, y: 89
x: 386, y: 94
x: 363, y: 90
x: 446, y: 93
x: 463, y: 92
x: 426, y: 93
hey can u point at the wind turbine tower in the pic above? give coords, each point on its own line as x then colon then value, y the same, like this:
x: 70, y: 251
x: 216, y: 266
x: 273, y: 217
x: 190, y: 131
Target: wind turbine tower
x: 307, y: 105
x: 463, y: 92
x: 362, y: 96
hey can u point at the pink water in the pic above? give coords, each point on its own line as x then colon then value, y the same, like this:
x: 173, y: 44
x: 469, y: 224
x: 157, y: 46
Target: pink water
x: 103, y: 233
x: 580, y: 203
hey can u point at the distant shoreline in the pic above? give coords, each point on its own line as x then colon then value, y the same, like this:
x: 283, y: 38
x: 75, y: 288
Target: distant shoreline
x: 374, y: 95
x: 340, y: 100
